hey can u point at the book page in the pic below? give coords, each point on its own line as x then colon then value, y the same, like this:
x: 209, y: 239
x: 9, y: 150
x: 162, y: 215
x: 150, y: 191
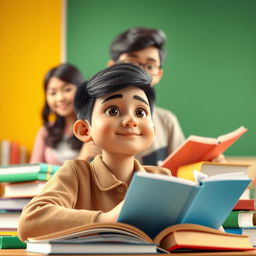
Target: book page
x: 227, y: 176
x: 166, y: 178
x: 234, y: 134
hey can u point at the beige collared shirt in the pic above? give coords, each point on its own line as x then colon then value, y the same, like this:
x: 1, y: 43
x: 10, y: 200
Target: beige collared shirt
x: 74, y: 196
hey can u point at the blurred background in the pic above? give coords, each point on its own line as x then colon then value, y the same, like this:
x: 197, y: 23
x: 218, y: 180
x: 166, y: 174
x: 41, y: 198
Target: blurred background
x: 209, y: 73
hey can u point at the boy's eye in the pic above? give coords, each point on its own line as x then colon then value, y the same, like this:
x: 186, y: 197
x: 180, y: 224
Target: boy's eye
x: 140, y: 112
x: 112, y: 111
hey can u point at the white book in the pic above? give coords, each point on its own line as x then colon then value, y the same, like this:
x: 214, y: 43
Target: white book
x: 13, y: 203
x: 9, y: 219
x: 5, y: 152
x: 22, y: 189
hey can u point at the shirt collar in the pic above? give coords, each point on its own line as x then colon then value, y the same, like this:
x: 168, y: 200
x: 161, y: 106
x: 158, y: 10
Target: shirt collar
x: 104, y: 178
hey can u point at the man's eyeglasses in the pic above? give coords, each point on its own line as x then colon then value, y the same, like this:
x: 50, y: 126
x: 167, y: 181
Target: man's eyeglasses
x: 151, y: 68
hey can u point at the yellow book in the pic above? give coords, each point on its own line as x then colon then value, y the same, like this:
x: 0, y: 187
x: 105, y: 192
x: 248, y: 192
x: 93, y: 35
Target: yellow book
x: 211, y: 168
x: 8, y: 233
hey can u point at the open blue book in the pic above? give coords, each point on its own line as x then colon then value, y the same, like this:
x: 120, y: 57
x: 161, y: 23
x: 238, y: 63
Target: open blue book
x: 154, y: 201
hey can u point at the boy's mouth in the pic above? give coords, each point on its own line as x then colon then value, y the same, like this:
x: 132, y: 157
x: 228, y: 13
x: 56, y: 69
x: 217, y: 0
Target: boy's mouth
x: 128, y: 134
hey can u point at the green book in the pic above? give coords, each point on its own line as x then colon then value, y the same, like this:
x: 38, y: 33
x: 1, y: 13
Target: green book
x: 240, y: 219
x: 11, y: 242
x: 27, y: 172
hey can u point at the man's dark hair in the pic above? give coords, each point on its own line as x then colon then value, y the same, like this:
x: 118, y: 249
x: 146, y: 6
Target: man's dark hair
x: 138, y: 38
x: 110, y: 80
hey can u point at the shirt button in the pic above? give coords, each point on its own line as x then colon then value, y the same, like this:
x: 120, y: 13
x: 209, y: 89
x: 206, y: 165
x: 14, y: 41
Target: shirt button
x: 120, y: 189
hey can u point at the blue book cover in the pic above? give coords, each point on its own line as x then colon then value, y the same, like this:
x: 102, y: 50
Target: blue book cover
x: 154, y: 201
x: 241, y: 231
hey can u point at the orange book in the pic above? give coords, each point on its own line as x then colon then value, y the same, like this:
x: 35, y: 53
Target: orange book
x: 197, y: 149
x: 189, y: 237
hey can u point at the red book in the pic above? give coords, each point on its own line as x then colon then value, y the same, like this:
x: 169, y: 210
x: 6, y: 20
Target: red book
x: 245, y: 204
x: 14, y: 153
x: 198, y: 149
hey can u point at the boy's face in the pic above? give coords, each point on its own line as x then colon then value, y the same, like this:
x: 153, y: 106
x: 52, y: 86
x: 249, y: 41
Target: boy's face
x: 148, y: 59
x: 121, y: 122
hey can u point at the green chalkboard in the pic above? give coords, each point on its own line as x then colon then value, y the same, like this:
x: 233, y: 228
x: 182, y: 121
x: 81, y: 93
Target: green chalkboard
x: 209, y: 77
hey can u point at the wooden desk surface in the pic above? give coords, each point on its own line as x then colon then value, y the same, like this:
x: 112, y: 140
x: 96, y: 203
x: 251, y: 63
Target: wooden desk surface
x: 22, y: 252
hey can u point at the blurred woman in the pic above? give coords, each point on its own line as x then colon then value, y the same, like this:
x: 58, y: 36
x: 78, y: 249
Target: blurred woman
x: 55, y: 141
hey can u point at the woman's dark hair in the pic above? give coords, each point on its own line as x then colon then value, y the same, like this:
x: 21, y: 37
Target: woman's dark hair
x: 109, y: 80
x: 70, y: 74
x: 138, y: 38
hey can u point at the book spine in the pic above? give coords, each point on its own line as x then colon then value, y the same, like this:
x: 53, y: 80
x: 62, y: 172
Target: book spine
x: 11, y: 242
x: 47, y: 171
x: 232, y: 220
x: 188, y: 205
x: 19, y: 177
x: 23, y: 155
x: 236, y: 231
x: 239, y: 219
x: 5, y: 152
x: 245, y: 204
x: 15, y: 153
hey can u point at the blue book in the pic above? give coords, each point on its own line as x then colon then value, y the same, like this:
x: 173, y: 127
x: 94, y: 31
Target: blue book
x: 154, y: 201
x: 241, y: 231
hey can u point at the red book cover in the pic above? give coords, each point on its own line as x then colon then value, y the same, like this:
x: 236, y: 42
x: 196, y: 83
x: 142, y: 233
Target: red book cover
x: 15, y: 153
x: 245, y: 204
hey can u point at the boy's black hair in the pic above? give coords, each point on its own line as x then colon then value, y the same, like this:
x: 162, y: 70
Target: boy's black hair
x: 109, y: 80
x: 138, y: 38
x: 69, y: 74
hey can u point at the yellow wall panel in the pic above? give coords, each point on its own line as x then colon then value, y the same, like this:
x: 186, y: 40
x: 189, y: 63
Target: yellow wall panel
x: 30, y: 43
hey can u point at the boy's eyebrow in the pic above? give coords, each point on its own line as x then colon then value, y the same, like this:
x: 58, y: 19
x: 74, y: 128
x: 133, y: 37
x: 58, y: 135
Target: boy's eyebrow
x: 139, y: 98
x: 115, y: 96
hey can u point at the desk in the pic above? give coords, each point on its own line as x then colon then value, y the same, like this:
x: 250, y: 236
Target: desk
x: 22, y: 252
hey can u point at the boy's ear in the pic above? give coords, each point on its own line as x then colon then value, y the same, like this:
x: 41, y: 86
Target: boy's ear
x: 82, y: 129
x: 111, y: 63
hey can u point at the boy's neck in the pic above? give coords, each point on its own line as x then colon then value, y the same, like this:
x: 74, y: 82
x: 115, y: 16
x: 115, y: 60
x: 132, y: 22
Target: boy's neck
x: 121, y: 166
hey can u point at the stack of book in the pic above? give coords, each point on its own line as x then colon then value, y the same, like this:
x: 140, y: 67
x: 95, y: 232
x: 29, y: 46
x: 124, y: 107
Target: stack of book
x: 12, y: 153
x: 242, y: 219
x: 19, y: 184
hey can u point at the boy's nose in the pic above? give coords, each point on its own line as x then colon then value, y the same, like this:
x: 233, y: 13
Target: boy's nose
x: 130, y: 122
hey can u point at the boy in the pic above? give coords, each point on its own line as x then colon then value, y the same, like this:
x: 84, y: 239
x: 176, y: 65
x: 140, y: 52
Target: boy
x: 145, y: 47
x: 114, y: 110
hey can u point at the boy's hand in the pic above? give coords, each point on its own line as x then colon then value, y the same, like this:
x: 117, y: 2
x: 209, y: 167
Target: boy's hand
x: 220, y: 158
x: 88, y: 151
x: 110, y: 216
